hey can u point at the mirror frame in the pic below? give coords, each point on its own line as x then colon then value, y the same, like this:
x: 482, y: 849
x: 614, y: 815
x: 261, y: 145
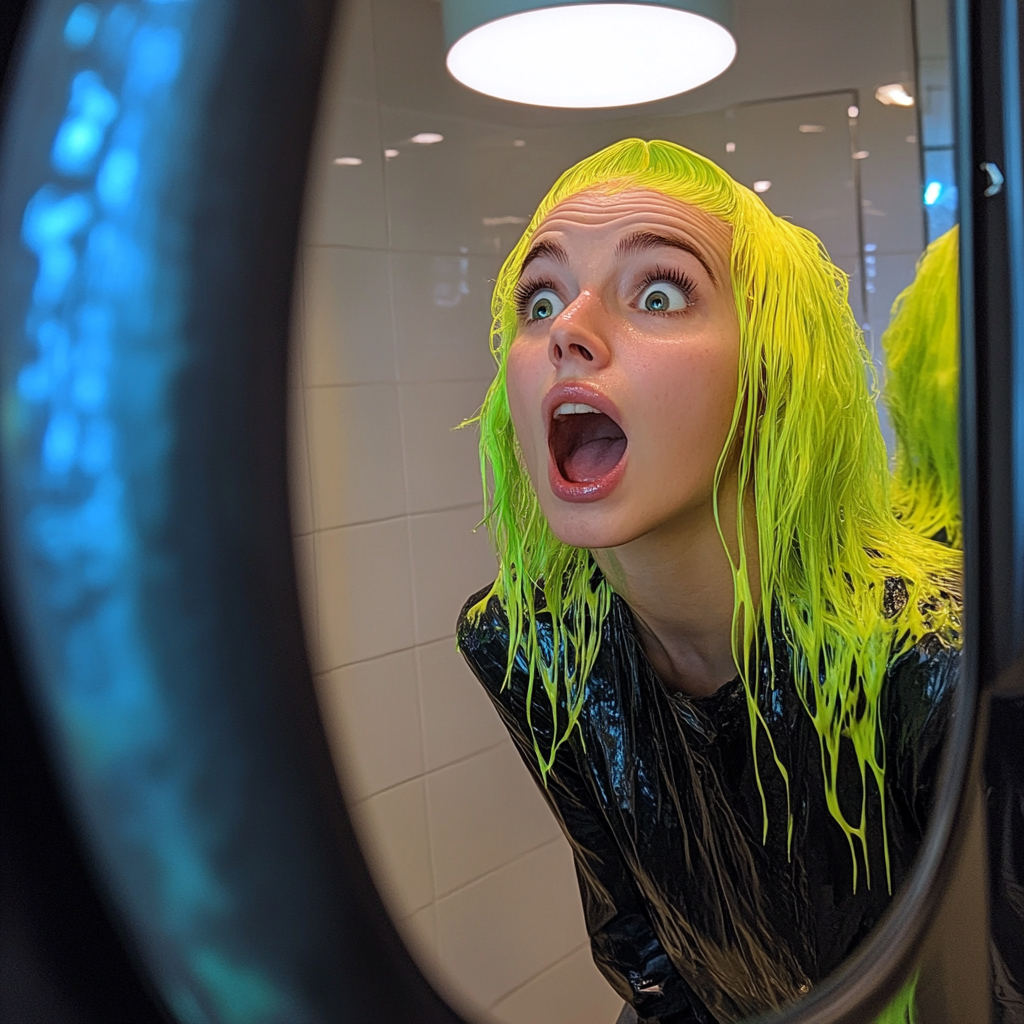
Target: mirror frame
x: 238, y: 702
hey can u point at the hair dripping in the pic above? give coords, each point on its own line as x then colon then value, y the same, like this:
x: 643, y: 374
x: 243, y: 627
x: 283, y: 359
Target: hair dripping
x: 828, y: 539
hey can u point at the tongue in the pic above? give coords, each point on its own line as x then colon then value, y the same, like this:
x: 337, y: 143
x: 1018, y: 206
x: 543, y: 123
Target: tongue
x: 593, y: 460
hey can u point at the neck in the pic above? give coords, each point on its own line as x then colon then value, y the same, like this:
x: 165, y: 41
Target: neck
x: 678, y: 584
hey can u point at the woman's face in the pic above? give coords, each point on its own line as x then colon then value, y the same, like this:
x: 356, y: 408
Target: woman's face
x: 622, y: 377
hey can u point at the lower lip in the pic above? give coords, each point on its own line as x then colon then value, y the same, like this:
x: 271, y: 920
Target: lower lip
x: 591, y: 490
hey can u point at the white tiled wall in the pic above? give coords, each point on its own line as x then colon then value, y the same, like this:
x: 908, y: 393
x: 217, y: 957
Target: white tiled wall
x: 391, y: 354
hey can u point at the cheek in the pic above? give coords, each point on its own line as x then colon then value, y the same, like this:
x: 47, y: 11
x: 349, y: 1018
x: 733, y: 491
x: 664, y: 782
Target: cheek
x: 524, y: 384
x: 691, y: 394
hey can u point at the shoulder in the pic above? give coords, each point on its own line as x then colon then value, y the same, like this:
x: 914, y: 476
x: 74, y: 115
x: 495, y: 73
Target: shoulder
x: 482, y: 635
x: 920, y: 686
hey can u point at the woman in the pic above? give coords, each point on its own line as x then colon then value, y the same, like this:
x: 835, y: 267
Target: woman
x: 720, y: 654
x: 922, y: 389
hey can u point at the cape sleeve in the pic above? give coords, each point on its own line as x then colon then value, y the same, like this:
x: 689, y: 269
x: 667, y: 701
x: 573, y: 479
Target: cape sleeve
x: 622, y: 940
x: 918, y: 715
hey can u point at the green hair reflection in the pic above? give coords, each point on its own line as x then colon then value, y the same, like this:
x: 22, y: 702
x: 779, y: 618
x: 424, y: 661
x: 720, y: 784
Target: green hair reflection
x: 922, y: 356
x: 805, y: 440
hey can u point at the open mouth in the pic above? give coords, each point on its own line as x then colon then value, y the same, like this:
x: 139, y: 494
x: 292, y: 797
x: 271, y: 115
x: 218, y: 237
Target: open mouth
x: 586, y: 444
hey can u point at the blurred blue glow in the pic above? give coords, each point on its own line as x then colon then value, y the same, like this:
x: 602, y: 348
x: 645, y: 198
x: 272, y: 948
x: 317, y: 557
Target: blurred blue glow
x: 57, y: 264
x: 96, y: 453
x: 50, y: 217
x: 80, y: 28
x: 154, y: 59
x: 114, y: 263
x: 932, y: 192
x: 77, y: 142
x: 92, y: 358
x: 91, y: 99
x: 90, y: 110
x: 117, y: 30
x: 54, y: 343
x: 115, y: 183
x: 60, y: 442
x: 34, y: 382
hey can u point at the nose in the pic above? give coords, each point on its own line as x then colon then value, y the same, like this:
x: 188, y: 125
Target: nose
x: 578, y: 335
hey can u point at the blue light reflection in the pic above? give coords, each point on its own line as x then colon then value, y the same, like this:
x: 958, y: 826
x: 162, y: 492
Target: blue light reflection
x: 86, y: 445
x: 80, y: 28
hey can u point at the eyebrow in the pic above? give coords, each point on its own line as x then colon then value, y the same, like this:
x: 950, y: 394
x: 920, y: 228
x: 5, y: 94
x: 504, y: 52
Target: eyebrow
x: 551, y: 249
x: 642, y: 241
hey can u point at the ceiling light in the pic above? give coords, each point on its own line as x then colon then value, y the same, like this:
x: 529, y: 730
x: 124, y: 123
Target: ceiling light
x: 579, y: 54
x: 730, y: 147
x: 348, y: 161
x: 390, y: 154
x: 519, y: 143
x: 894, y: 95
x: 811, y: 129
x: 427, y: 138
x: 861, y: 154
x: 762, y: 186
x: 853, y: 110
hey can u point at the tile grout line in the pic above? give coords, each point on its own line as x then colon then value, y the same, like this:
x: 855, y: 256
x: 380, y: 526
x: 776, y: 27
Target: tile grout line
x: 447, y: 894
x: 534, y: 977
x: 402, y: 251
x: 432, y: 771
x: 395, y: 518
x: 398, y: 382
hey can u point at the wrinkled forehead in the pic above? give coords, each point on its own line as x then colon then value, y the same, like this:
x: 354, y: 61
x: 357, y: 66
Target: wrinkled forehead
x: 599, y: 217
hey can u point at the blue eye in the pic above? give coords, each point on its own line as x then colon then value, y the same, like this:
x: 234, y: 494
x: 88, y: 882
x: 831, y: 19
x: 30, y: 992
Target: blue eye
x: 545, y: 305
x: 663, y: 297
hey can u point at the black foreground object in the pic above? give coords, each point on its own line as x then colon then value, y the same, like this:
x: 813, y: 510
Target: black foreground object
x: 152, y: 175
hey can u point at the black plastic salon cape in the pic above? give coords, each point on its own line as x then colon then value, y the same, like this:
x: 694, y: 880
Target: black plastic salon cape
x: 693, y: 914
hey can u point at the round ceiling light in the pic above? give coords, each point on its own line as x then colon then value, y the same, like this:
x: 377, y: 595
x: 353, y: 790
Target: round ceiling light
x: 587, y: 54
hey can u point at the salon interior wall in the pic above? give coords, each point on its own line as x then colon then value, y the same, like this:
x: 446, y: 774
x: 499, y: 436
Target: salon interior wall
x: 396, y: 265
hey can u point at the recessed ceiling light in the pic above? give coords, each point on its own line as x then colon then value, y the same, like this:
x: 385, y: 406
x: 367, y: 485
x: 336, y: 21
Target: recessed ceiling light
x: 853, y: 110
x: 587, y: 54
x: 730, y: 147
x: 348, y: 161
x: 861, y: 154
x: 912, y: 139
x: 762, y: 186
x: 811, y: 129
x: 390, y: 154
x: 894, y: 95
x: 427, y: 138
x: 519, y: 142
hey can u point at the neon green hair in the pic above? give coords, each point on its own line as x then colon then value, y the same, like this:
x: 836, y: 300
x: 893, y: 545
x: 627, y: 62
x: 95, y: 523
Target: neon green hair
x: 804, y: 439
x: 922, y: 356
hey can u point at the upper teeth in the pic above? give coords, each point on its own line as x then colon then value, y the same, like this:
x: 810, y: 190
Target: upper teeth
x: 571, y: 408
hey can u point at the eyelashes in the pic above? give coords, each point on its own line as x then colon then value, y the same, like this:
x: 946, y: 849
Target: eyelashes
x: 526, y: 290
x: 674, y: 276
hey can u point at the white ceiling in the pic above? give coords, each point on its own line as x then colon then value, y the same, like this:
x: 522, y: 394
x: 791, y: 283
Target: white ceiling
x: 785, y: 48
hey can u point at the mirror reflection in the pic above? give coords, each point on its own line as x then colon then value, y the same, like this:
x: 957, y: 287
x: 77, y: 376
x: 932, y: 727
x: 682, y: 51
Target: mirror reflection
x: 676, y: 754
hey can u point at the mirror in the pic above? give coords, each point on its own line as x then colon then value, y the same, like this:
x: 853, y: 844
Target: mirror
x: 839, y: 119
x: 148, y: 581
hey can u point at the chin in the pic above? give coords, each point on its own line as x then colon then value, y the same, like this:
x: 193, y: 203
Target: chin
x: 592, y: 527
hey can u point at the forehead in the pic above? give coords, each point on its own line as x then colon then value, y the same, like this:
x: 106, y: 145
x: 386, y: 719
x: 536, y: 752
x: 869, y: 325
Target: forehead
x: 593, y: 219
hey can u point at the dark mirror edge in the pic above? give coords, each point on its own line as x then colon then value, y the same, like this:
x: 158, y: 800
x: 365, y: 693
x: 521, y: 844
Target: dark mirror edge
x: 866, y: 983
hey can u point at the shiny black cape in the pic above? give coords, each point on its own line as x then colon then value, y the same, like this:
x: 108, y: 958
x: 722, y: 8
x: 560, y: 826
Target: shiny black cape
x: 693, y: 915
